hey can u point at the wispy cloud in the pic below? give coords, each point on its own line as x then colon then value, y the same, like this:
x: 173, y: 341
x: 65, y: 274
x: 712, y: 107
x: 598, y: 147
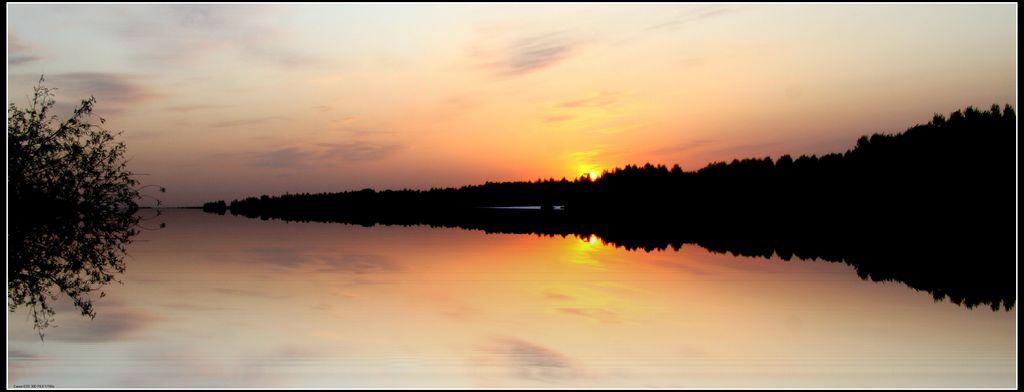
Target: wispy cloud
x: 602, y: 315
x: 360, y: 264
x: 195, y: 107
x: 602, y: 99
x: 247, y: 121
x: 108, y: 325
x: 247, y: 293
x: 681, y: 148
x: 556, y: 118
x: 532, y: 361
x: 352, y: 263
x: 286, y: 257
x: 524, y: 55
x: 114, y: 92
x: 183, y: 34
x: 531, y: 355
x: 357, y: 151
x: 587, y: 156
x: 601, y: 112
x: 683, y: 17
x: 325, y: 154
x: 19, y: 52
x: 558, y: 296
x: 282, y: 158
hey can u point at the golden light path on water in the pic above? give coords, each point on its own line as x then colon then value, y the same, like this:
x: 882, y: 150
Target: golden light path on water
x: 223, y: 301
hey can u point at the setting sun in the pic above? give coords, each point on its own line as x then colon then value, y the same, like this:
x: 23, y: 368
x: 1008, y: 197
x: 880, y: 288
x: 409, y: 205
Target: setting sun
x: 589, y: 171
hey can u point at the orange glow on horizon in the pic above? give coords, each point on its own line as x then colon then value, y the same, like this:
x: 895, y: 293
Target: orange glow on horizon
x: 589, y: 171
x: 592, y: 239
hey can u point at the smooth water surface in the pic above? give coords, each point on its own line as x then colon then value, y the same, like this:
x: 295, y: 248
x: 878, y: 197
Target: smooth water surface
x: 225, y: 301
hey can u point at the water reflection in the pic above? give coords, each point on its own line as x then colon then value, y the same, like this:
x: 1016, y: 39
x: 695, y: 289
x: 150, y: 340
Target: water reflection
x: 57, y: 252
x: 967, y: 265
x: 222, y: 301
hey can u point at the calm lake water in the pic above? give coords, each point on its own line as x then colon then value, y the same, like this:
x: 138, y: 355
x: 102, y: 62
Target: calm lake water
x: 225, y: 301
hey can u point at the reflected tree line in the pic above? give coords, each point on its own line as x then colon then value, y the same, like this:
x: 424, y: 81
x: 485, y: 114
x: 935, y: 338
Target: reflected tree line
x: 932, y: 207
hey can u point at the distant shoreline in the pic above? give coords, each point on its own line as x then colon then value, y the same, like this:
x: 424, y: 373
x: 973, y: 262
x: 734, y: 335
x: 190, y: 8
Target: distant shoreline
x: 171, y: 208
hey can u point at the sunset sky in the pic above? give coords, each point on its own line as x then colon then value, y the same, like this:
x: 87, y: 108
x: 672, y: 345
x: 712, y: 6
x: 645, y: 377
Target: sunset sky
x: 228, y: 101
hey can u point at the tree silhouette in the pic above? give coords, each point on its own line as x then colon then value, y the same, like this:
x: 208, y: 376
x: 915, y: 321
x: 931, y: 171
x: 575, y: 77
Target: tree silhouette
x: 72, y: 205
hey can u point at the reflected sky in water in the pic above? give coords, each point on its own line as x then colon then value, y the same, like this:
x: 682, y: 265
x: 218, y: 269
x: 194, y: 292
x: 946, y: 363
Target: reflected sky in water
x: 224, y: 301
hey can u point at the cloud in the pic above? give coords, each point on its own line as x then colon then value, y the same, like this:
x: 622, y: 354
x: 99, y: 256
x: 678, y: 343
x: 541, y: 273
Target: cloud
x: 108, y: 325
x: 555, y: 118
x: 682, y: 18
x: 191, y: 108
x: 604, y: 112
x: 247, y: 293
x: 359, y: 132
x: 281, y: 158
x: 587, y: 157
x: 530, y: 355
x: 359, y: 151
x: 18, y: 354
x: 684, y: 147
x: 195, y: 307
x: 325, y: 154
x: 463, y: 313
x: 14, y: 44
x: 557, y: 296
x: 345, y: 120
x: 184, y: 34
x: 531, y: 361
x: 529, y: 54
x: 247, y: 121
x: 116, y: 89
x: 251, y: 30
x: 360, y: 264
x: 602, y: 315
x: 602, y: 99
x: 19, y: 52
x: 279, y: 256
x: 114, y: 92
x: 344, y: 263
x: 145, y: 135
x: 21, y: 58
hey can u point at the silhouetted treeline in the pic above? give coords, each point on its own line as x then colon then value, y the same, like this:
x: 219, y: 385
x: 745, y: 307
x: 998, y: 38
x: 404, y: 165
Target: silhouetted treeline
x: 216, y: 207
x: 948, y: 166
x: 930, y: 207
x: 370, y: 202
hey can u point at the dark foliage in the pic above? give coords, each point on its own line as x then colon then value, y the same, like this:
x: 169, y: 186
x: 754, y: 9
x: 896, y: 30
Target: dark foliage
x: 72, y: 206
x: 217, y: 207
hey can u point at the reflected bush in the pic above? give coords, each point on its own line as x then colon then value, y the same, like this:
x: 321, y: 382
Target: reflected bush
x: 72, y: 207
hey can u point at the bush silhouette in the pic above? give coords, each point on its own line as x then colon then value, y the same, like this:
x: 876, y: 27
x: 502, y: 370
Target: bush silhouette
x: 72, y: 206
